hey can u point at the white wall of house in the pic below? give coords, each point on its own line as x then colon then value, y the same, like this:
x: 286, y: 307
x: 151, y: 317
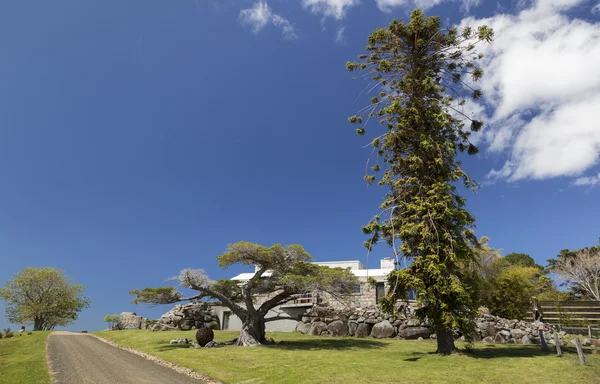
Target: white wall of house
x: 366, y: 297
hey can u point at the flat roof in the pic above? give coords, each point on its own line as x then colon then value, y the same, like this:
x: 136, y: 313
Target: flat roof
x: 356, y: 272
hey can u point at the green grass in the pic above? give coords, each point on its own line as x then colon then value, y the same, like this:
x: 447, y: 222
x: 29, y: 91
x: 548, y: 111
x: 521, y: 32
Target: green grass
x: 302, y: 359
x: 23, y: 359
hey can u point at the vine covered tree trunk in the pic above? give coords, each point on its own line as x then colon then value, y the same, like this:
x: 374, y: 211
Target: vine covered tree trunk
x: 252, y: 333
x: 445, y: 342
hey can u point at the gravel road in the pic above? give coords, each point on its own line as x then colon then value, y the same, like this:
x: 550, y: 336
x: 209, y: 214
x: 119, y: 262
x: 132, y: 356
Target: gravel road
x: 82, y: 359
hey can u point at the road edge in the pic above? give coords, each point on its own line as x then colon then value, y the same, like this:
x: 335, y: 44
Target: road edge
x: 157, y: 360
x: 51, y: 371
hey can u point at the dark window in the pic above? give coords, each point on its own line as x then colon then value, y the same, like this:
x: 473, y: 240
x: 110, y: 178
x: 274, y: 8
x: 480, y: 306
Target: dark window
x: 356, y: 288
x: 412, y: 295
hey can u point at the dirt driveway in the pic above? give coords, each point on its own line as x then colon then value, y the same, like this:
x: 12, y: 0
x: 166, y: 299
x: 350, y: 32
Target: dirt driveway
x: 76, y: 358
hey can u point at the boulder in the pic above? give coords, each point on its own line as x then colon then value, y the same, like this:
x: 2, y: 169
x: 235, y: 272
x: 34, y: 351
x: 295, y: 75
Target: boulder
x: 372, y: 321
x: 317, y: 328
x: 412, y: 333
x: 586, y: 342
x: 488, y: 329
x: 338, y: 328
x: 383, y: 330
x: 517, y: 334
x: 499, y: 339
x: 130, y: 320
x: 526, y: 340
x: 352, y: 325
x: 204, y: 335
x: 303, y: 328
x: 363, y: 330
x: 488, y: 340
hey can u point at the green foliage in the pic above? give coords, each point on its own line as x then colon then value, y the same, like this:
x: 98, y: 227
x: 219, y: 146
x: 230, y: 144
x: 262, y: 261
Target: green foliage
x: 506, y: 284
x: 44, y: 297
x: 155, y: 296
x: 8, y: 333
x: 247, y: 253
x: 372, y: 282
x: 418, y: 68
x: 510, y: 292
x: 112, y: 319
x: 523, y: 260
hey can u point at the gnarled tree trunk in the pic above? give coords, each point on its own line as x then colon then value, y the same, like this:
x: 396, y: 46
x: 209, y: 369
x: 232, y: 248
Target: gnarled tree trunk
x: 252, y: 333
x: 445, y: 342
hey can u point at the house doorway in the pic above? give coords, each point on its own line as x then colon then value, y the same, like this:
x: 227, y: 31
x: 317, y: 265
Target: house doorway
x: 379, y: 291
x: 226, y: 316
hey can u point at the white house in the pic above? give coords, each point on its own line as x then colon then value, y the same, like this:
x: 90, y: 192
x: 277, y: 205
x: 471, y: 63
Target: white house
x: 365, y: 296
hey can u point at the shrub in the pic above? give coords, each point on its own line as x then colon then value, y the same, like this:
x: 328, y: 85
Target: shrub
x: 511, y: 290
x: 8, y: 333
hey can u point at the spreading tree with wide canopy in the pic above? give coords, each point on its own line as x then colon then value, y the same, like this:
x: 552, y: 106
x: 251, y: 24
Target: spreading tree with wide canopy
x: 281, y: 272
x: 44, y: 297
x: 420, y: 78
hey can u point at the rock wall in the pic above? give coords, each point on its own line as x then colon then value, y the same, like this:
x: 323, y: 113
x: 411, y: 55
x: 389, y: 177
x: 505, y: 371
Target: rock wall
x: 186, y: 317
x: 370, y: 322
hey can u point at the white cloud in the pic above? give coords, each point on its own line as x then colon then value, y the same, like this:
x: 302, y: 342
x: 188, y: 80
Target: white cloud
x: 389, y: 5
x: 340, y: 38
x: 330, y: 8
x: 286, y: 27
x: 589, y: 181
x: 545, y: 65
x: 260, y: 14
x: 257, y: 17
x: 596, y: 9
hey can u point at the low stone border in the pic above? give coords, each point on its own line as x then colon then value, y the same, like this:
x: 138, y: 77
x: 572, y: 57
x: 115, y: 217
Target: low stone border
x: 177, y: 368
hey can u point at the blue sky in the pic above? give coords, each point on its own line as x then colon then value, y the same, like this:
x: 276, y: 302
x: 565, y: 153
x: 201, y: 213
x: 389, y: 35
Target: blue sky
x: 139, y: 138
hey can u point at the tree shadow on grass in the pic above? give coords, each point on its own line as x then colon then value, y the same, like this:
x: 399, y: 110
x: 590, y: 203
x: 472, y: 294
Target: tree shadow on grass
x: 337, y: 343
x: 499, y: 351
x: 165, y: 346
x: 299, y: 345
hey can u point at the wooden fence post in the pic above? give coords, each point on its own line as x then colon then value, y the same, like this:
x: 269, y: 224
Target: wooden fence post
x: 589, y: 331
x: 580, y: 351
x: 543, y: 339
x: 557, y: 342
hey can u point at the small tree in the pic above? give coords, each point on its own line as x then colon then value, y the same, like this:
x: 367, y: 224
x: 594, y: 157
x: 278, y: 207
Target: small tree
x: 112, y: 319
x: 580, y: 270
x: 44, y: 297
x: 281, y: 272
x: 419, y: 75
x: 510, y: 291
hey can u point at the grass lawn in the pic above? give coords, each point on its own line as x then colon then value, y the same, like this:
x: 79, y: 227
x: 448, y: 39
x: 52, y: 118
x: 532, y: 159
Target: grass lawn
x: 23, y: 359
x: 310, y: 359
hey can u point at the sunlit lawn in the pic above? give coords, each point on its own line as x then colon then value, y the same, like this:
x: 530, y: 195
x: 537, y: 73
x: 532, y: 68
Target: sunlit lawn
x: 309, y: 359
x: 23, y: 359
